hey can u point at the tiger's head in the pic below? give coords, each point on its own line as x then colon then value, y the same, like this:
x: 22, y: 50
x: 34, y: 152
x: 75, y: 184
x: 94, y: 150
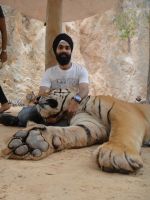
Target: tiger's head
x: 53, y: 106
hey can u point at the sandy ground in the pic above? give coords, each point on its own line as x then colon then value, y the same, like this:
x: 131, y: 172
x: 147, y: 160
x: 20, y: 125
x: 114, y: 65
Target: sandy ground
x: 69, y: 175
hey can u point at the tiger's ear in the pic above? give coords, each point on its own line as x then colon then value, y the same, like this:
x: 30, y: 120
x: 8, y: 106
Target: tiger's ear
x: 52, y: 102
x: 29, y: 98
x: 47, y: 92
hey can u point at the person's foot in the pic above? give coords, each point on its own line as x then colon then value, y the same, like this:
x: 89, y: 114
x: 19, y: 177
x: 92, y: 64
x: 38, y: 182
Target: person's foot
x: 4, y: 107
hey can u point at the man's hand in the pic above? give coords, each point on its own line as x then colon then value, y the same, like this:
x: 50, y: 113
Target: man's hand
x: 72, y: 108
x: 30, y: 98
x: 3, y: 56
x: 44, y: 91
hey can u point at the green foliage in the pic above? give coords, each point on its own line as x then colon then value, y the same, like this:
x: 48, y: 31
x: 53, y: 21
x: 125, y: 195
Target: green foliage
x: 126, y: 23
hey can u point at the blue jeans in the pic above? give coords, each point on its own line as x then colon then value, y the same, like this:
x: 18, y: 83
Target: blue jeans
x: 31, y: 114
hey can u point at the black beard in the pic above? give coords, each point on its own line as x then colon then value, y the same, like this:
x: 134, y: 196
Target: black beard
x: 63, y: 58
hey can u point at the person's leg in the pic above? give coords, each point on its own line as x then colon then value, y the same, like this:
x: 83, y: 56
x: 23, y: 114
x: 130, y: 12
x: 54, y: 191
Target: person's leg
x: 29, y: 113
x: 26, y: 114
x: 4, y: 102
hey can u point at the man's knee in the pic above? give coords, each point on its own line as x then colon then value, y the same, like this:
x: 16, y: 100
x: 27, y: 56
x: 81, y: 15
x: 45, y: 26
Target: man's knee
x: 29, y: 114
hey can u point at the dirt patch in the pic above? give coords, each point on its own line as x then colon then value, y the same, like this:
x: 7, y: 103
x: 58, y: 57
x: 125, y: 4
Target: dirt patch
x: 69, y: 175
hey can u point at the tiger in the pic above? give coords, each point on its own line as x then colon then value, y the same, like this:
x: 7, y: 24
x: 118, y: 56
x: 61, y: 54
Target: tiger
x: 119, y: 128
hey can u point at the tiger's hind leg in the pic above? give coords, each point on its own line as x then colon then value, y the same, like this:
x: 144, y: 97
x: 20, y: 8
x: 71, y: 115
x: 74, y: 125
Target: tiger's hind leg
x: 39, y: 141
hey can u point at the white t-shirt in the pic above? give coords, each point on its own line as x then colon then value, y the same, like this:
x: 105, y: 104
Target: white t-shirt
x: 56, y: 78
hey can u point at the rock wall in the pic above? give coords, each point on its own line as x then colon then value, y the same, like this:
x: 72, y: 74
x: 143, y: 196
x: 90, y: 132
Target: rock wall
x: 114, y: 68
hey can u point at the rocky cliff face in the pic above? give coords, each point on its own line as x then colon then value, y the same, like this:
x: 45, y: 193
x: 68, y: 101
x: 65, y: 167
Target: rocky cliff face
x: 115, y: 51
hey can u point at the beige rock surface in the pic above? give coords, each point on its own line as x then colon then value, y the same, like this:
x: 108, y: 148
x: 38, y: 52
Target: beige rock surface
x: 113, y: 69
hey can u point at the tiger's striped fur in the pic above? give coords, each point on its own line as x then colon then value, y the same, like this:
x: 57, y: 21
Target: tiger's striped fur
x: 119, y: 127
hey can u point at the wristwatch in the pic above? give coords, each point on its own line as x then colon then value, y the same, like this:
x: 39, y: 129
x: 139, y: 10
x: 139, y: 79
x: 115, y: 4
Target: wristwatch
x: 77, y: 98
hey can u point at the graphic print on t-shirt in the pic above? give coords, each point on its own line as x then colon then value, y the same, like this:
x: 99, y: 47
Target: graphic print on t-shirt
x: 64, y: 83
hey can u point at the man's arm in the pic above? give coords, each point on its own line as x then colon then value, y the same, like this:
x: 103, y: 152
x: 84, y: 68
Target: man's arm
x: 83, y: 90
x: 3, y: 55
x: 45, y: 84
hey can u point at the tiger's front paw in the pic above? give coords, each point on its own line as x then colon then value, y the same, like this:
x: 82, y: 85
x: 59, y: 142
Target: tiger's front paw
x: 113, y: 158
x: 32, y: 144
